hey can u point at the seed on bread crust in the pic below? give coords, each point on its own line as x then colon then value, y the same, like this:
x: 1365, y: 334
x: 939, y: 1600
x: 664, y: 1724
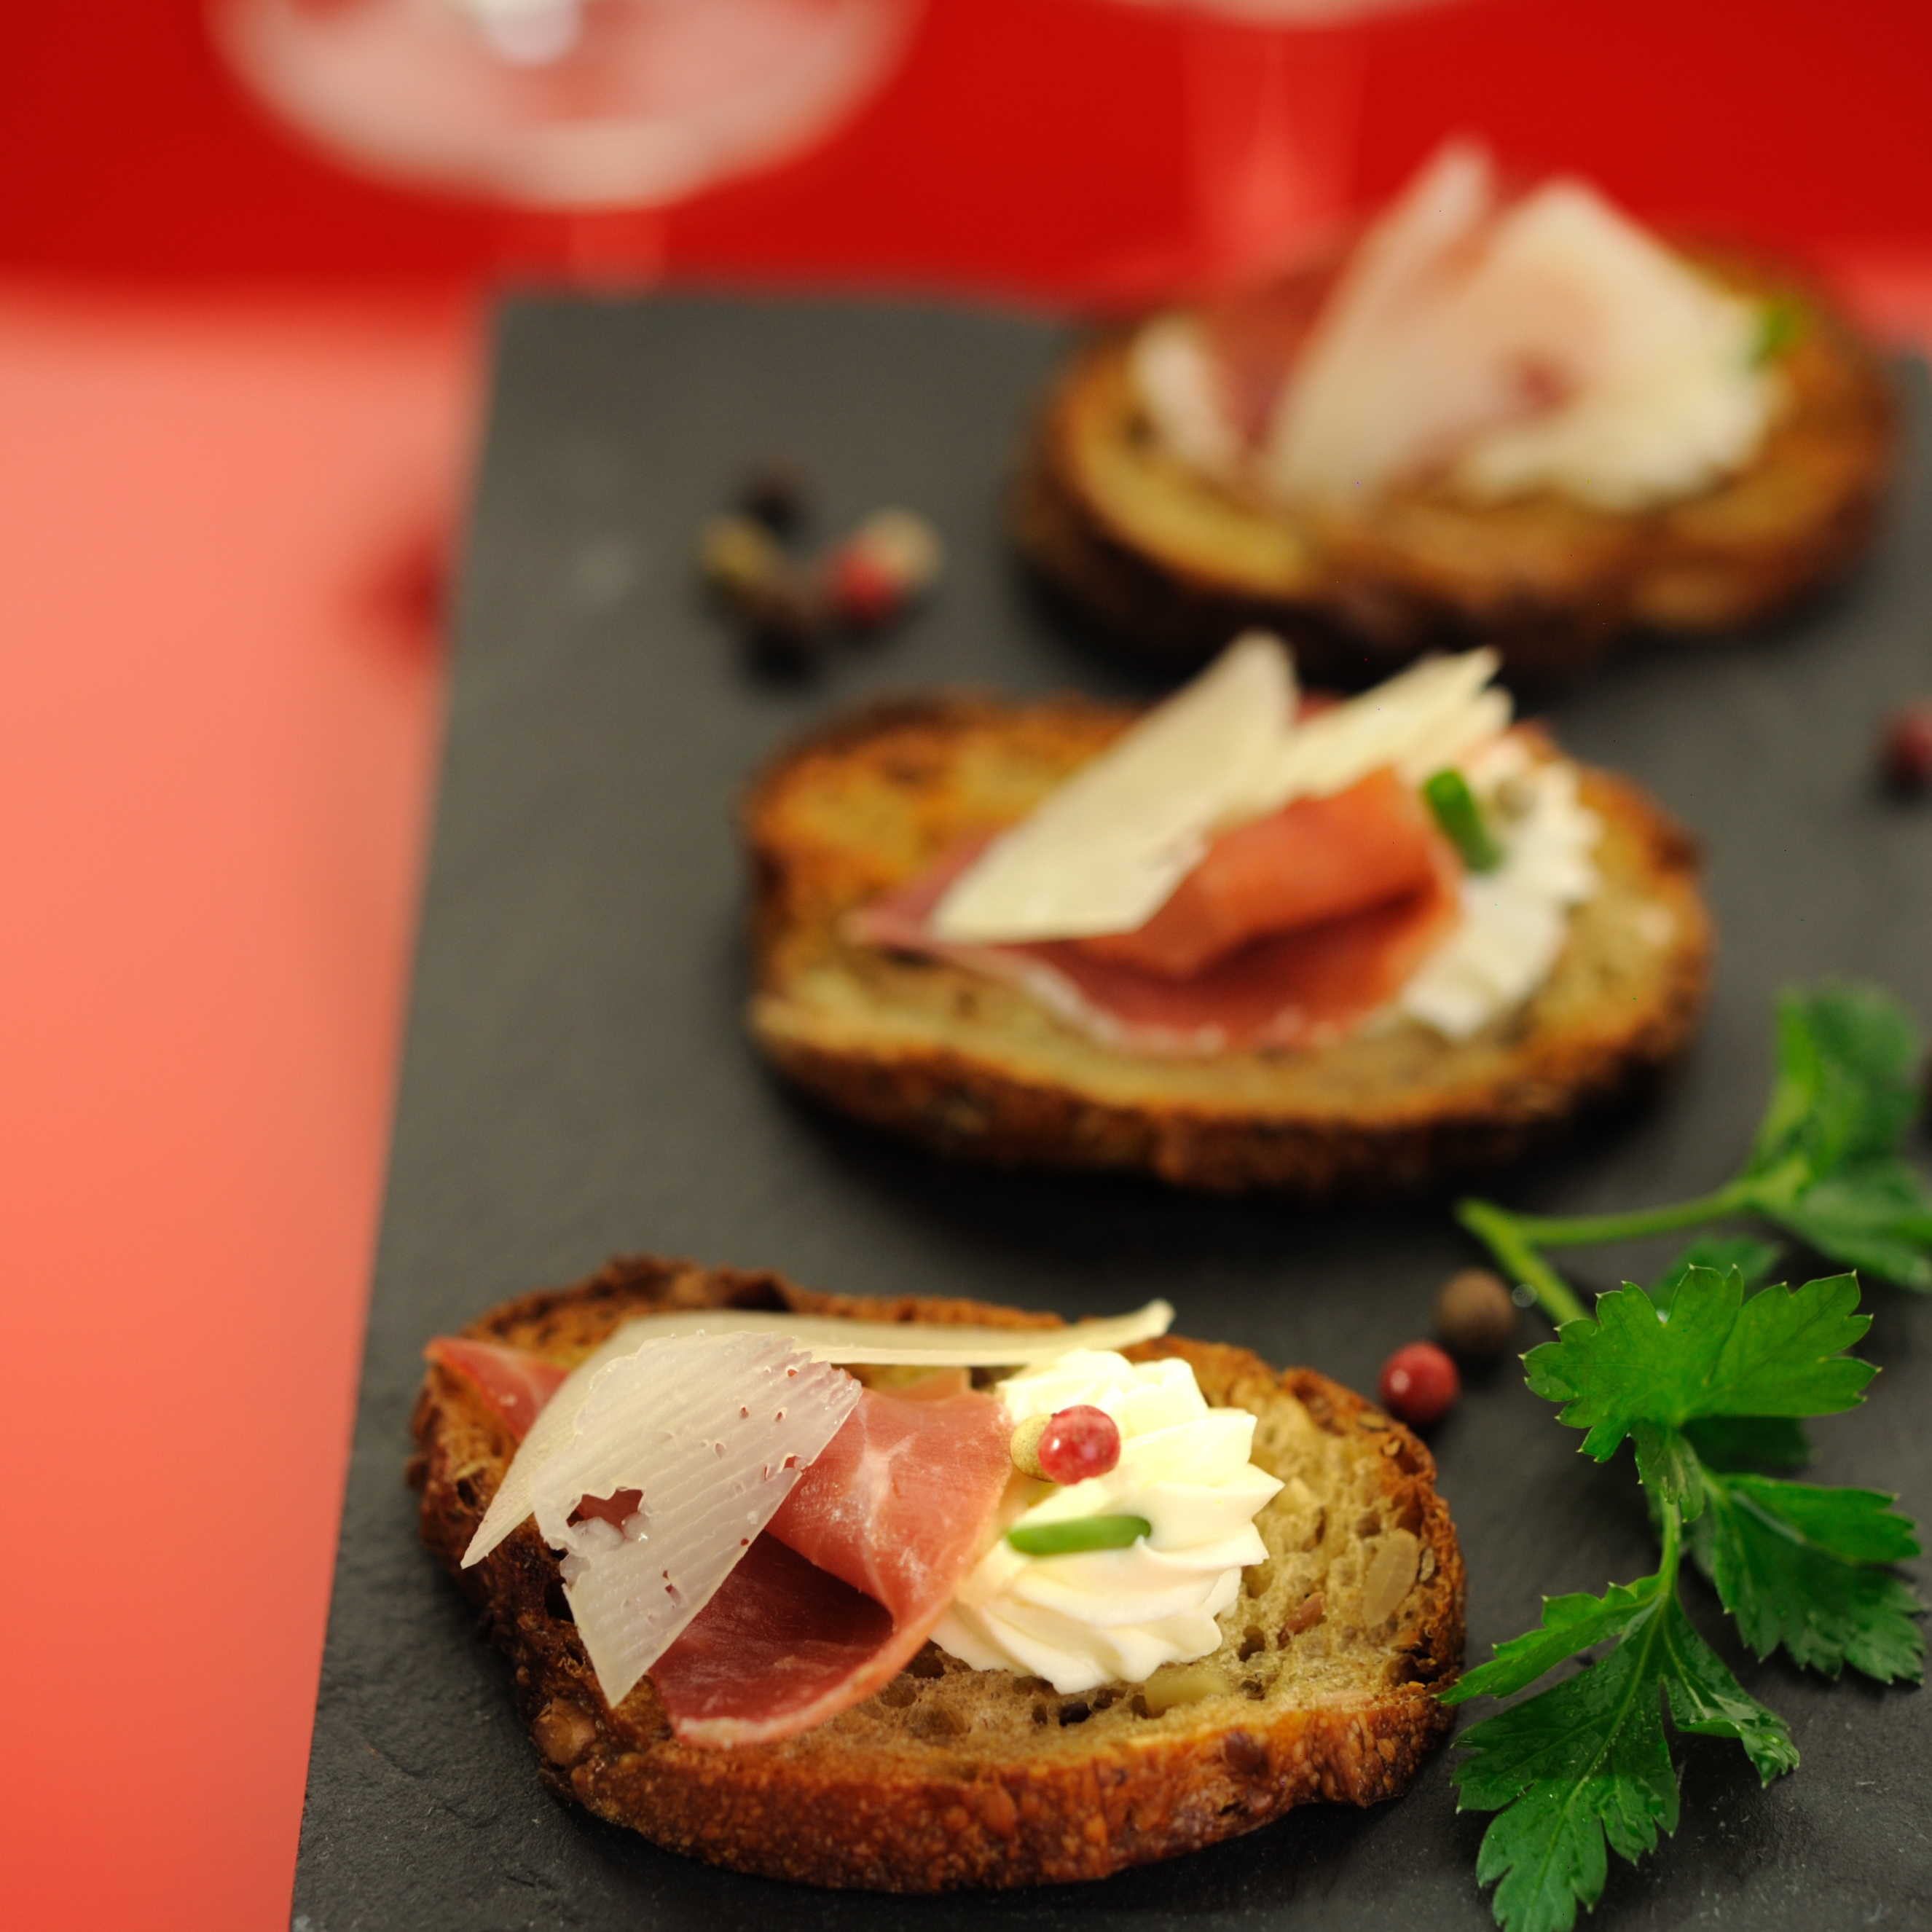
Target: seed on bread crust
x: 1174, y: 564
x: 953, y: 1777
x: 979, y: 1070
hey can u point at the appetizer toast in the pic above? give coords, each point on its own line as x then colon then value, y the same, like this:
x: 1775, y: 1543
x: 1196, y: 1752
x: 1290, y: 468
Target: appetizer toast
x: 976, y: 1068
x: 1174, y: 562
x: 1322, y: 1688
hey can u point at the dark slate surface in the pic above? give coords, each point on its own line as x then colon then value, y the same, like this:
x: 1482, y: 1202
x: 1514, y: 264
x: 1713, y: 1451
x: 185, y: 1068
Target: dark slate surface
x: 576, y: 1083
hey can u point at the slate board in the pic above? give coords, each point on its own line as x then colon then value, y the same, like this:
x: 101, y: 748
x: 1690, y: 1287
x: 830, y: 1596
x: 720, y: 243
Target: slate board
x: 576, y: 1083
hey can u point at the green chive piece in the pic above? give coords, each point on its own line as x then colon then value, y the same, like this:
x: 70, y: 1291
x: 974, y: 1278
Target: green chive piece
x: 1781, y: 322
x: 1078, y: 1533
x: 1461, y: 818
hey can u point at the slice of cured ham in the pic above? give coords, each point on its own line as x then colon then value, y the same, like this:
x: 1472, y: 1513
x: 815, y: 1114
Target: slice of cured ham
x: 856, y: 1567
x: 515, y: 1383
x: 1315, y: 860
x: 1288, y: 989
x: 881, y: 1531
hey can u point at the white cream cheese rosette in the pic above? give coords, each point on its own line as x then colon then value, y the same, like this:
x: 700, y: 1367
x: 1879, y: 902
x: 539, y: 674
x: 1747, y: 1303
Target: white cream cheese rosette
x: 1104, y: 1615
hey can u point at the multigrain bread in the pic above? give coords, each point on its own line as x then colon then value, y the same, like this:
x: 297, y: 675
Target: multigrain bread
x: 977, y: 1069
x: 1323, y: 1688
x: 1175, y: 563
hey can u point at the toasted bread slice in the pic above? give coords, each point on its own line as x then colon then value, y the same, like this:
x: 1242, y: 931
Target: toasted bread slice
x: 1323, y: 1688
x: 976, y: 1068
x: 1175, y: 563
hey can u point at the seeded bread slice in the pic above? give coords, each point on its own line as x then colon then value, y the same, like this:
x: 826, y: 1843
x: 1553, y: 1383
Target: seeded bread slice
x: 1323, y: 1688
x: 979, y: 1070
x: 1175, y: 563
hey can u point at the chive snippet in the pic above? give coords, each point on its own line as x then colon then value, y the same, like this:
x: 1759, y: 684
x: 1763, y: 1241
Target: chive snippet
x: 1449, y: 797
x: 1781, y: 321
x: 1078, y: 1533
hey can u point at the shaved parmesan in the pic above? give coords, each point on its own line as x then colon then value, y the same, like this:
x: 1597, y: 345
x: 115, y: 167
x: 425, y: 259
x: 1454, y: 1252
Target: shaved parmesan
x: 1105, y: 851
x: 1437, y: 712
x: 1550, y: 344
x: 712, y: 1432
x: 932, y: 1345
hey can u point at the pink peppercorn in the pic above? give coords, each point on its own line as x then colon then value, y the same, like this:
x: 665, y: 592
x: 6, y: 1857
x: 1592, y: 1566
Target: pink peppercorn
x: 1079, y: 1442
x: 1419, y: 1383
x: 864, y: 591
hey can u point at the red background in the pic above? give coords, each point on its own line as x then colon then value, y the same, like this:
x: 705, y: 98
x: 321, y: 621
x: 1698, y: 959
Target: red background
x: 1027, y: 144
x: 237, y: 389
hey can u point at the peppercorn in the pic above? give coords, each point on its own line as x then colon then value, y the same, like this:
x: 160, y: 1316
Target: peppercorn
x: 1419, y: 1383
x: 1905, y: 750
x: 737, y: 555
x: 863, y: 593
x: 777, y: 496
x: 786, y: 618
x: 904, y: 546
x: 1079, y: 1442
x: 1475, y: 1314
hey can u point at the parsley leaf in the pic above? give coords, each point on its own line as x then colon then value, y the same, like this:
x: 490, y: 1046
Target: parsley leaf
x: 1877, y: 1217
x: 1824, y: 1164
x: 1570, y: 1625
x: 1736, y: 1441
x: 1727, y: 1442
x: 1844, y: 1093
x: 1586, y: 1763
x: 1753, y: 1259
x: 1801, y: 1566
x: 1778, y: 1353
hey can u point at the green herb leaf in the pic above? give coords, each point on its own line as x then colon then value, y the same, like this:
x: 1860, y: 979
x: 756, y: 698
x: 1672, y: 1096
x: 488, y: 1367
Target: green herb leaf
x: 1586, y: 1763
x: 1780, y: 1353
x: 1753, y: 1259
x: 1706, y: 1698
x: 1667, y: 1466
x: 1570, y: 1625
x: 1074, y: 1534
x: 1876, y: 1217
x: 1802, y: 1566
x: 1845, y: 1092
x: 1449, y: 797
x: 1749, y: 1441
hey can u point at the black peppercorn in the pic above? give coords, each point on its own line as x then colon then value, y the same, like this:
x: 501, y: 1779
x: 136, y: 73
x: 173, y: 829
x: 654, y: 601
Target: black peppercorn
x: 1475, y: 1315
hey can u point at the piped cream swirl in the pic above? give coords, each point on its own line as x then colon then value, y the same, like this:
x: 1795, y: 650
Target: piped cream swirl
x: 1118, y: 1615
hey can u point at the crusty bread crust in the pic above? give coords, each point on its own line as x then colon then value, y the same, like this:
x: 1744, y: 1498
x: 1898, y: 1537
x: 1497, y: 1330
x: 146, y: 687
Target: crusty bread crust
x: 1175, y: 564
x: 979, y: 1070
x: 953, y: 1777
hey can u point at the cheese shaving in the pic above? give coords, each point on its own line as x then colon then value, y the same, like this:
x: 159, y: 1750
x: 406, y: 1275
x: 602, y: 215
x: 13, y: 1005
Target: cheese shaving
x: 1106, y: 850
x: 929, y: 1345
x: 1436, y: 713
x: 1550, y: 344
x: 712, y: 1431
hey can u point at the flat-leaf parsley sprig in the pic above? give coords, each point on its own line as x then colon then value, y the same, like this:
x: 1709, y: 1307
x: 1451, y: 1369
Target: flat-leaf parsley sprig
x: 1826, y: 1165
x: 1586, y: 1763
x: 1709, y: 1382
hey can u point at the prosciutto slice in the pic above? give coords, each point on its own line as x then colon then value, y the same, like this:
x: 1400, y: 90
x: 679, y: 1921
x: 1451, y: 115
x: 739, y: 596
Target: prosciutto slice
x: 1303, y: 987
x: 514, y: 1382
x: 1316, y: 860
x: 856, y: 1569
x: 881, y: 1532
